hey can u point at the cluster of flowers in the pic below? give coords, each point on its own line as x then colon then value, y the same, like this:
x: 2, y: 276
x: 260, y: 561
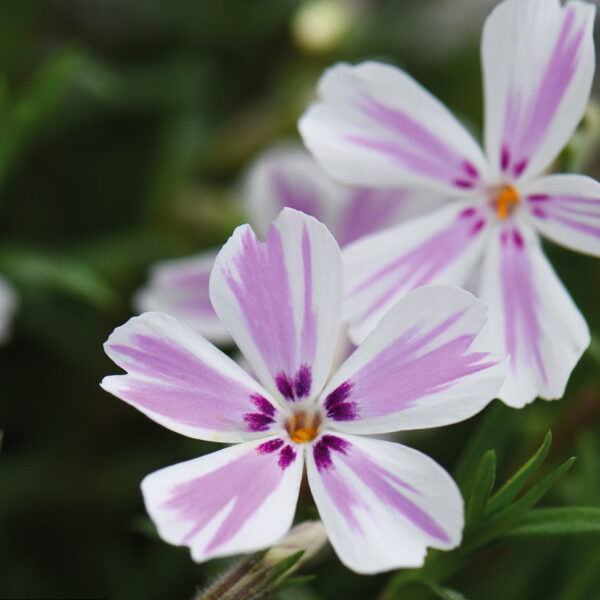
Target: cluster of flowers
x: 425, y: 356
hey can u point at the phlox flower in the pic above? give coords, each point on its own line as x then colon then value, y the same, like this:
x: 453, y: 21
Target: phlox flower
x: 286, y: 175
x: 381, y: 503
x: 374, y: 125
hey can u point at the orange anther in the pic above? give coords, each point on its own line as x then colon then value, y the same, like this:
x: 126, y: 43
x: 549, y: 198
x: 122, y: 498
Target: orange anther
x: 304, y: 434
x: 303, y: 427
x: 506, y: 201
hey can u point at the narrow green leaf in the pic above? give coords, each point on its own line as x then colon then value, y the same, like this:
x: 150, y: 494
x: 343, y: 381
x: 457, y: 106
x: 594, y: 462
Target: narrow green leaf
x: 504, y: 519
x: 491, y: 432
x: 445, y: 593
x: 481, y: 489
x: 515, y: 484
x: 284, y: 565
x: 289, y: 582
x: 570, y: 520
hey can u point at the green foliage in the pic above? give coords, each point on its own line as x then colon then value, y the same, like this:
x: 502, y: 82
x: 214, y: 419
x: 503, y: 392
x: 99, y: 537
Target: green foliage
x: 569, y: 520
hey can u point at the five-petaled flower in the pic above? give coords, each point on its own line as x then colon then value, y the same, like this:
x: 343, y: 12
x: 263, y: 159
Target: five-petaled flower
x: 375, y: 125
x: 286, y: 175
x: 382, y: 503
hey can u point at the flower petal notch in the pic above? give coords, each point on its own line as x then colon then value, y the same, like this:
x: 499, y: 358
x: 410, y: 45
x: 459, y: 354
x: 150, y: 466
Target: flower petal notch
x: 374, y: 125
x: 382, y: 504
x: 280, y: 300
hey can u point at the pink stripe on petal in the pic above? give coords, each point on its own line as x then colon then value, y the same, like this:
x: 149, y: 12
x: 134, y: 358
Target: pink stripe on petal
x: 419, y: 148
x: 368, y: 211
x: 520, y: 302
x: 298, y: 195
x: 402, y: 374
x: 240, y: 499
x: 183, y: 382
x: 526, y: 121
x: 269, y: 316
x: 309, y: 327
x: 380, y: 482
x: 424, y: 263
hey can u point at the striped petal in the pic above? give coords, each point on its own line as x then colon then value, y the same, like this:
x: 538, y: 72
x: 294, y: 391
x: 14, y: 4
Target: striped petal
x: 178, y: 379
x: 376, y: 126
x: 531, y: 317
x: 382, y: 503
x: 281, y: 301
x: 180, y: 288
x: 419, y: 368
x: 538, y: 66
x: 236, y: 500
x: 287, y: 175
x: 442, y: 247
x: 566, y: 208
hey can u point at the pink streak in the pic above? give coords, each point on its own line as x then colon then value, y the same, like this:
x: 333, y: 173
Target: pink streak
x: 526, y: 122
x: 401, y: 375
x: 425, y: 262
x: 177, y: 385
x: 248, y: 481
x: 520, y: 301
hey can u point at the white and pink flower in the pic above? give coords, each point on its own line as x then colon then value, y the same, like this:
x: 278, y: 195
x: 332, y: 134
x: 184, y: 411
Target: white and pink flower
x: 375, y: 125
x: 286, y: 175
x: 382, y: 503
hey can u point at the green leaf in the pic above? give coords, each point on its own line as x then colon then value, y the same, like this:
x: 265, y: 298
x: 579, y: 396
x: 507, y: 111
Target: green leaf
x: 283, y: 566
x: 295, y: 581
x: 515, y: 484
x: 492, y: 432
x: 504, y: 519
x: 445, y: 593
x: 481, y: 489
x: 570, y: 520
x: 35, y: 269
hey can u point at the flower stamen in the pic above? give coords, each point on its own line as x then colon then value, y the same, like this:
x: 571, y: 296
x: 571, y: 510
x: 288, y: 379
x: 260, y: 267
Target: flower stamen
x: 303, y: 427
x: 506, y: 201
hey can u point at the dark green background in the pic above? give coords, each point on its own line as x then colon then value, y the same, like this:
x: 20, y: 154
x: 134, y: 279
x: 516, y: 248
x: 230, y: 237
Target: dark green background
x: 124, y: 125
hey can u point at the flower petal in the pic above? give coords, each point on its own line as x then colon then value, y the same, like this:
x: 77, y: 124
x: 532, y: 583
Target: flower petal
x: 531, y: 317
x: 281, y: 301
x: 538, y: 66
x: 8, y: 307
x: 368, y: 210
x: 566, y: 208
x: 441, y: 247
x: 382, y: 503
x: 183, y: 382
x: 239, y: 499
x: 180, y: 288
x: 377, y: 126
x: 418, y: 368
x: 287, y: 175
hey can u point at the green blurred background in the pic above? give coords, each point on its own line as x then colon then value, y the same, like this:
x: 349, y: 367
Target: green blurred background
x: 124, y: 128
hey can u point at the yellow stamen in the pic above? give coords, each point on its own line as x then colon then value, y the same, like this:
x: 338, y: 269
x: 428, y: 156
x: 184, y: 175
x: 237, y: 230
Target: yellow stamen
x: 506, y: 201
x: 303, y: 427
x: 304, y: 434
